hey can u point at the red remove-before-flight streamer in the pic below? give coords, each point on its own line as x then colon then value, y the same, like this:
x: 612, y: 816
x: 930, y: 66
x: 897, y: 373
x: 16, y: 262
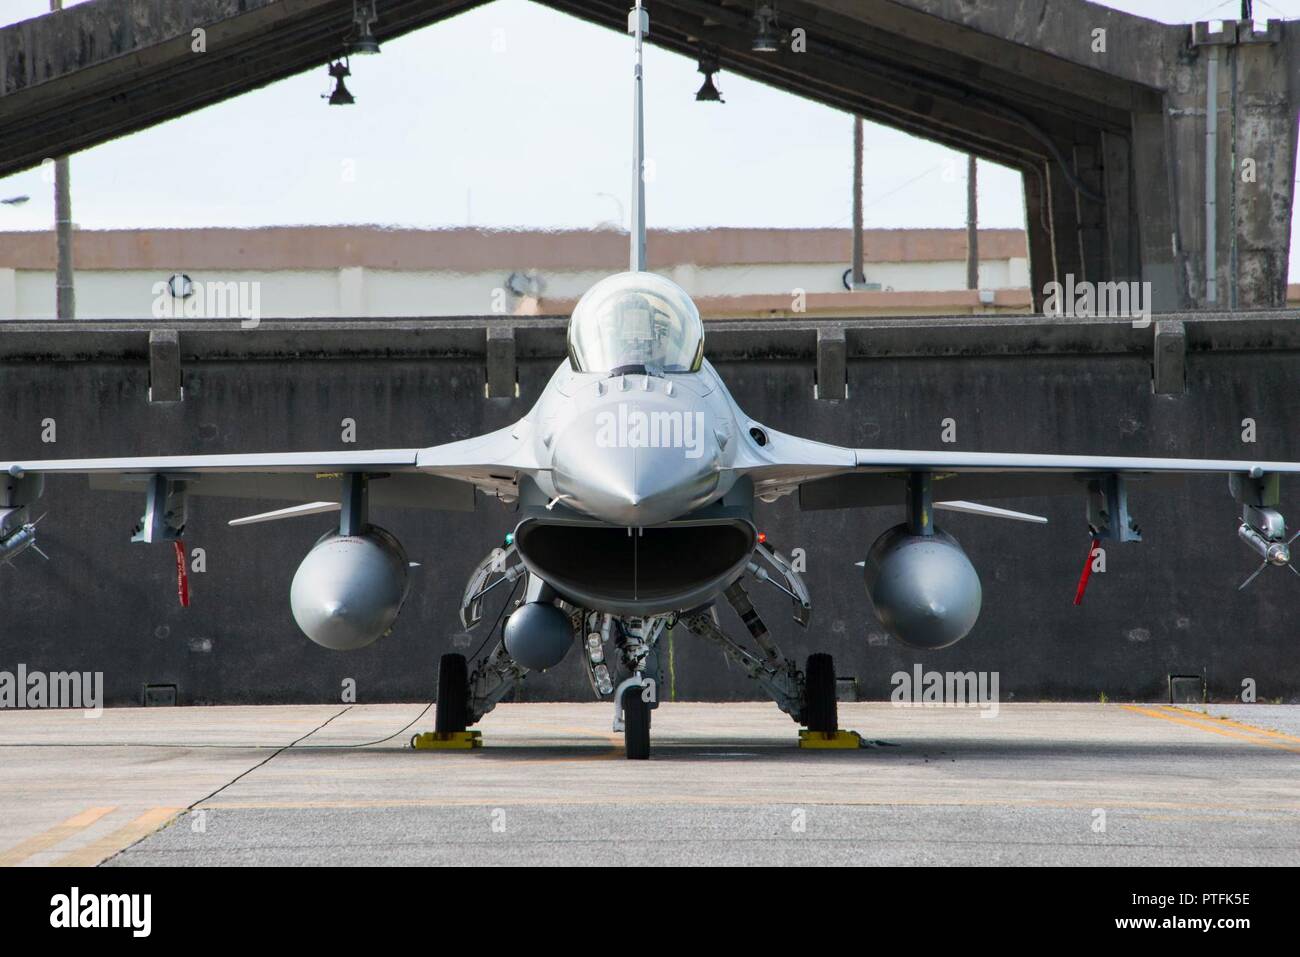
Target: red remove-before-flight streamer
x: 1087, y: 572
x: 182, y: 577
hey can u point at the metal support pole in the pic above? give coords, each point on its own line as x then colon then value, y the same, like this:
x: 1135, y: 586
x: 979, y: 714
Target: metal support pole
x: 1211, y: 175
x: 638, y: 25
x: 859, y: 274
x: 65, y: 294
x: 972, y: 225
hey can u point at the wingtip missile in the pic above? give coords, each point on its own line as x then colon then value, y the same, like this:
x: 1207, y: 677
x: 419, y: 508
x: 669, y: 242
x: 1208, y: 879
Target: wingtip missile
x: 1272, y: 550
x: 17, y: 543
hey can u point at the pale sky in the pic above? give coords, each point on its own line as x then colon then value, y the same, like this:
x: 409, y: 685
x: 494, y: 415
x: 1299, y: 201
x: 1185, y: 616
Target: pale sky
x: 515, y: 115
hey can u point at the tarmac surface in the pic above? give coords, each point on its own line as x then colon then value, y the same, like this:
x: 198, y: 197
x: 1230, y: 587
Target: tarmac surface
x: 1090, y: 784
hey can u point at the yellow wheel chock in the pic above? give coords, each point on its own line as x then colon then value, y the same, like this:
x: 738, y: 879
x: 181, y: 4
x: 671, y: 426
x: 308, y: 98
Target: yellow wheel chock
x: 829, y: 740
x: 447, y: 741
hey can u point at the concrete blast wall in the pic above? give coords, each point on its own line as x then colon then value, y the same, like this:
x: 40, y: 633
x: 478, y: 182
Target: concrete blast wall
x: 1166, y: 605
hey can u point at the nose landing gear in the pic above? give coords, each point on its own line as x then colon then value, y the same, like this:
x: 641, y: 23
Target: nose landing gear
x: 636, y: 721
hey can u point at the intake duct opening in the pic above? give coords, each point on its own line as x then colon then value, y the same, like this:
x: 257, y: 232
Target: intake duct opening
x: 658, y: 564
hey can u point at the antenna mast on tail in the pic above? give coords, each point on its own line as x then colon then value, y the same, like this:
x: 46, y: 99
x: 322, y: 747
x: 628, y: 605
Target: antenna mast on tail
x: 638, y: 24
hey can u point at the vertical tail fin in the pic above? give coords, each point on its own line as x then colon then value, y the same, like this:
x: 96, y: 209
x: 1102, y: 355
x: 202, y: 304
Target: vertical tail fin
x: 638, y: 24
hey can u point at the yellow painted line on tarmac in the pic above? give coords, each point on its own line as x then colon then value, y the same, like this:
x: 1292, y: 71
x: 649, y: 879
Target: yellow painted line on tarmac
x: 55, y: 835
x: 105, y: 847
x: 1253, y: 729
x: 1211, y: 725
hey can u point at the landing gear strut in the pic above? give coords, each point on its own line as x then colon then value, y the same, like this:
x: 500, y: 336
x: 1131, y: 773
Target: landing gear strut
x: 778, y: 676
x: 807, y: 696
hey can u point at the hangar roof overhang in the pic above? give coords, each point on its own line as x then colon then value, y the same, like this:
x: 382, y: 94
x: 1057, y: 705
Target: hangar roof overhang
x: 1003, y: 81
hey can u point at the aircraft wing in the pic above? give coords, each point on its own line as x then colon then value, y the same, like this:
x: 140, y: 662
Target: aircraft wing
x: 886, y: 460
x: 828, y: 476
x: 288, y: 476
x: 196, y: 467
x: 440, y: 477
x: 230, y: 464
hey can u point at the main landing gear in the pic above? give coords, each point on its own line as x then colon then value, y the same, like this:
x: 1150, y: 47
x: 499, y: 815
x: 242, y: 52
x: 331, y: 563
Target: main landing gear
x: 820, y: 716
x: 808, y: 696
x: 616, y: 645
x: 451, y: 711
x: 820, y: 710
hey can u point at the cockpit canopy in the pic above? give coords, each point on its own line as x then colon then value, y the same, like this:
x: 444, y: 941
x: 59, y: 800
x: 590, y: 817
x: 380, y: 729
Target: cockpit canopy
x: 636, y: 320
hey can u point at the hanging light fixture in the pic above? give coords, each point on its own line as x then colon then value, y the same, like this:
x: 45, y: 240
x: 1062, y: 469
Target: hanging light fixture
x: 363, y: 15
x: 709, y: 93
x: 340, y: 95
x: 766, y: 39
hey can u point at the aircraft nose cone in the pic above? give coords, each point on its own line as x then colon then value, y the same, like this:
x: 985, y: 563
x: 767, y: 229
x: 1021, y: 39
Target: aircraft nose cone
x: 634, y: 486
x: 623, y: 466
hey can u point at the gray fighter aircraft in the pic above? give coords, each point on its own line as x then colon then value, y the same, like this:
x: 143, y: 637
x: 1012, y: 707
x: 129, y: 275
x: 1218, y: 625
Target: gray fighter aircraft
x: 635, y: 478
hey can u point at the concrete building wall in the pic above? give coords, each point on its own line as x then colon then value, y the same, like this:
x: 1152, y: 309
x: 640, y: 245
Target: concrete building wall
x: 357, y: 292
x: 120, y: 294
x: 359, y: 272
